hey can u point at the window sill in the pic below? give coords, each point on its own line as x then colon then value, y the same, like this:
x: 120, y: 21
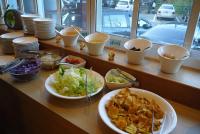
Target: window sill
x: 183, y: 87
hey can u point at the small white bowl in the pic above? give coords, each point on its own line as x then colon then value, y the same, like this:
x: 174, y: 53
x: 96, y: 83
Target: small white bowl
x: 115, y: 85
x: 136, y: 57
x: 95, y: 43
x: 172, y: 57
x: 64, y: 64
x: 69, y: 36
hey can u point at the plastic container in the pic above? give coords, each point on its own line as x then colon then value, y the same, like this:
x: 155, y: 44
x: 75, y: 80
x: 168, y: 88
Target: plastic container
x: 172, y: 57
x: 136, y: 56
x: 95, y: 43
x: 50, y: 61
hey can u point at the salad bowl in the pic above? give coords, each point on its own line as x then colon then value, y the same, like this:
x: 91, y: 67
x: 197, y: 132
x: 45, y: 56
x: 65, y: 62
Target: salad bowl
x: 71, y: 84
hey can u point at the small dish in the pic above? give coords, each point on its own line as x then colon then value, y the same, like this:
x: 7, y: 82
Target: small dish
x: 49, y: 61
x: 72, y: 61
x: 26, y: 71
x: 115, y: 80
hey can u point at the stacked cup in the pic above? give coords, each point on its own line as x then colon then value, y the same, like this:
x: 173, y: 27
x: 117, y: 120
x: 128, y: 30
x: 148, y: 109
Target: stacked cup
x: 27, y: 20
x: 6, y: 41
x: 44, y: 28
x: 23, y: 45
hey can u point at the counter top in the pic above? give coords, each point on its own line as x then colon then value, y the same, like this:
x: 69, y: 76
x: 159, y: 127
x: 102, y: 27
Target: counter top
x: 85, y: 116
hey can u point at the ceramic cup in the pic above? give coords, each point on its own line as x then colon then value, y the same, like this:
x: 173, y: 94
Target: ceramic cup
x: 95, y: 43
x: 69, y: 36
x: 136, y: 57
x: 172, y: 57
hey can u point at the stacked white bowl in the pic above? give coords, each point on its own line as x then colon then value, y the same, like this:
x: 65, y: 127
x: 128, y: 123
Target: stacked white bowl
x: 27, y: 20
x: 23, y: 44
x: 44, y: 28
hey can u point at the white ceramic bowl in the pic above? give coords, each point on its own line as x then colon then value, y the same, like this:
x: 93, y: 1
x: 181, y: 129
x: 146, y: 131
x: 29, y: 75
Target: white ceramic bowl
x: 172, y: 57
x: 170, y: 120
x: 114, y: 85
x: 6, y: 41
x: 69, y: 36
x: 25, y: 44
x: 95, y: 43
x: 69, y: 65
x: 27, y: 20
x: 136, y: 57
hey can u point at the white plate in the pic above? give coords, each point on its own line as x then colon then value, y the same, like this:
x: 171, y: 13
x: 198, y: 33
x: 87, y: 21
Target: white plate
x: 170, y: 120
x: 52, y: 91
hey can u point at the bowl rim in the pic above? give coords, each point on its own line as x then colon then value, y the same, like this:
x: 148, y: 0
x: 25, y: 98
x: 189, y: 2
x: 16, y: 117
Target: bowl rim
x: 140, y: 39
x: 107, y: 35
x: 170, y: 59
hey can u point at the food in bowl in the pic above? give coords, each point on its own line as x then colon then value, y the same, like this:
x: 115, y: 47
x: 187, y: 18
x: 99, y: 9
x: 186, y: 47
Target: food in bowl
x: 50, y: 61
x: 72, y: 61
x: 134, y: 114
x: 72, y: 82
x: 27, y: 70
x: 115, y: 79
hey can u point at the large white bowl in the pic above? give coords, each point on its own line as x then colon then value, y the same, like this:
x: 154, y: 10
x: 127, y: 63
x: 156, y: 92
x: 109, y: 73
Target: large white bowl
x: 53, y: 92
x: 95, y: 43
x: 169, y: 65
x: 170, y: 120
x: 136, y: 57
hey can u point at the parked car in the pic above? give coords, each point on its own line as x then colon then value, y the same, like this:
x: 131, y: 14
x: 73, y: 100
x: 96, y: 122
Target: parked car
x: 119, y: 22
x: 124, y: 5
x: 170, y: 34
x: 166, y: 11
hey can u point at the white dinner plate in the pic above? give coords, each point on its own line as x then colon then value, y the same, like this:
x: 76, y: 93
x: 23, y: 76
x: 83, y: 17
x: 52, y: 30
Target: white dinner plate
x: 52, y: 91
x: 170, y: 120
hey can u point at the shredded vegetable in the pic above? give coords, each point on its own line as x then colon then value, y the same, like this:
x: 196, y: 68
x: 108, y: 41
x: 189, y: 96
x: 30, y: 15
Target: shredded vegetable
x: 71, y: 82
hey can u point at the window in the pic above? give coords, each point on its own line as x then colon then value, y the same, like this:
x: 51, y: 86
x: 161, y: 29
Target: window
x: 74, y: 12
x: 114, y: 17
x: 196, y: 39
x: 168, y: 21
x: 13, y: 4
x: 30, y: 6
x: 50, y: 10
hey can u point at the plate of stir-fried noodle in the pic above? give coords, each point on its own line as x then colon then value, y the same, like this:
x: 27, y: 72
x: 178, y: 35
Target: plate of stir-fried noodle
x: 137, y: 111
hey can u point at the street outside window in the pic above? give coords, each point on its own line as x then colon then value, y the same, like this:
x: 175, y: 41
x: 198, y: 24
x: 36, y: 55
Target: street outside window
x: 168, y: 20
x: 115, y: 17
x: 74, y: 13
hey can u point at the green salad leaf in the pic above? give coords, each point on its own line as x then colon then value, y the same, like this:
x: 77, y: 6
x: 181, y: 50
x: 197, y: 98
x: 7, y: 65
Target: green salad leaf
x: 116, y: 79
x: 71, y: 82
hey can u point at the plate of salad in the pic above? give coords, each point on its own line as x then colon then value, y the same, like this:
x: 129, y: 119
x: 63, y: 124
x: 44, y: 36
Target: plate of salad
x: 71, y: 83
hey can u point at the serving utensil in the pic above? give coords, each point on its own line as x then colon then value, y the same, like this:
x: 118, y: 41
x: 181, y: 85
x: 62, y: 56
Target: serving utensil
x: 162, y: 125
x: 86, y: 87
x: 78, y: 32
x: 152, y: 124
x: 11, y: 65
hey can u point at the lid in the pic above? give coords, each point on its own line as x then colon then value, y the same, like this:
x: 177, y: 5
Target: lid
x: 6, y: 59
x: 12, y: 35
x: 25, y: 40
x: 29, y: 16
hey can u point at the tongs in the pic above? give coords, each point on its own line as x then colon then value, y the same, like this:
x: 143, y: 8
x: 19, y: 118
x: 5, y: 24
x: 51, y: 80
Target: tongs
x: 11, y: 65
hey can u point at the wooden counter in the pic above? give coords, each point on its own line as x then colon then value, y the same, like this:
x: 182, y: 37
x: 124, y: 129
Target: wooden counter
x: 27, y: 108
x: 39, y: 112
